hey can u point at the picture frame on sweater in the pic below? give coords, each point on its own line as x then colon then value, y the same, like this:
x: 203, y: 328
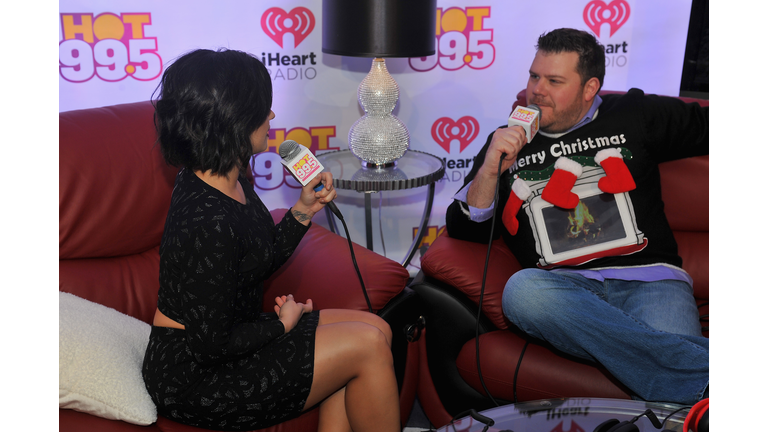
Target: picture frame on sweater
x: 601, y: 225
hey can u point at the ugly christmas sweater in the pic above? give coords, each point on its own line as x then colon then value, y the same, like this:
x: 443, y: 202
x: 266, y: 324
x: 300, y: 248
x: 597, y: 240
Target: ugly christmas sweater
x: 559, y: 212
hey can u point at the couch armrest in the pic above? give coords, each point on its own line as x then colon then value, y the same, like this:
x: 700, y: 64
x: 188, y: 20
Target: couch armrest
x: 321, y: 269
x: 460, y: 264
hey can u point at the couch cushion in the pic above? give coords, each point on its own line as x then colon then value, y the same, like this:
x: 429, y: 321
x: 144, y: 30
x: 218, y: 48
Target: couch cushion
x: 685, y: 192
x: 127, y: 284
x: 693, y: 248
x: 114, y: 186
x: 542, y: 375
x: 460, y: 264
x: 101, y: 352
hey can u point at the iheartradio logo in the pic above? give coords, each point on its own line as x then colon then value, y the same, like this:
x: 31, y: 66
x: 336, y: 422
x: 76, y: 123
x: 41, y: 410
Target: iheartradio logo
x: 299, y: 22
x: 597, y: 13
x: 445, y: 130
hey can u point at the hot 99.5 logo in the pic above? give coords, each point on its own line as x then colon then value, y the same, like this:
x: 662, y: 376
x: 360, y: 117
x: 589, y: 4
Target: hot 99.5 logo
x: 109, y: 46
x: 268, y: 171
x: 462, y: 40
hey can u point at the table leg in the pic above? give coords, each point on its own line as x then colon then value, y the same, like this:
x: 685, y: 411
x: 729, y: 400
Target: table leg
x: 368, y: 224
x: 422, y: 227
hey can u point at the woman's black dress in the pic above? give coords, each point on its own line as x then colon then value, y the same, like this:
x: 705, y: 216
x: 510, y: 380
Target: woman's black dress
x: 233, y: 367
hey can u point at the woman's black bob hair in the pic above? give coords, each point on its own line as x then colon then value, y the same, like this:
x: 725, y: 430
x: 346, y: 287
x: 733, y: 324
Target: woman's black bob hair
x: 207, y: 106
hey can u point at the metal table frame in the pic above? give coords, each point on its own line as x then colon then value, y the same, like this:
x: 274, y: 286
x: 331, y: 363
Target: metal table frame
x: 368, y: 181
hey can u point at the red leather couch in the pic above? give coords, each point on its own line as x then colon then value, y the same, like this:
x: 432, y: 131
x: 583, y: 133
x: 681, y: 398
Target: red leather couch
x: 114, y: 192
x: 449, y: 287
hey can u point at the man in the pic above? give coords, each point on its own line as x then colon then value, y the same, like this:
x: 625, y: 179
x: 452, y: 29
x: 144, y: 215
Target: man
x: 582, y: 212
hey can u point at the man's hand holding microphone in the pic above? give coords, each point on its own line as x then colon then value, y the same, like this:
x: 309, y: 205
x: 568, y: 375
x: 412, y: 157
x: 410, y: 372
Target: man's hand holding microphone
x: 523, y: 124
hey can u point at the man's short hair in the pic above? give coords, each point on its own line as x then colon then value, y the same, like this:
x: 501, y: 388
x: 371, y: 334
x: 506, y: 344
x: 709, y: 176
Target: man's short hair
x: 591, y: 52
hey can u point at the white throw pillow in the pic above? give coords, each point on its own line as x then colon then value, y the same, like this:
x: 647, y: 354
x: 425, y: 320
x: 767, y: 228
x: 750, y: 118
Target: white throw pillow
x: 101, y: 352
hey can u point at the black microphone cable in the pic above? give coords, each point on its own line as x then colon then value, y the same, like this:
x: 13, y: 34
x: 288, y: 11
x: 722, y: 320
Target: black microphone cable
x: 289, y: 149
x: 354, y: 261
x: 338, y: 214
x: 482, y: 286
x: 482, y: 294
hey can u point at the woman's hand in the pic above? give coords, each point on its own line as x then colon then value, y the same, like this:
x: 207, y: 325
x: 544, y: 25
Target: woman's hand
x: 289, y: 311
x: 311, y: 202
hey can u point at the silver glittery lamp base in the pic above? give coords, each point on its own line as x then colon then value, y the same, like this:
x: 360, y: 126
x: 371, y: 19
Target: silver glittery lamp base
x: 378, y: 138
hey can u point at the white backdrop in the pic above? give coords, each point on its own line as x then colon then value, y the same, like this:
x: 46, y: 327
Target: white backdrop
x: 114, y: 52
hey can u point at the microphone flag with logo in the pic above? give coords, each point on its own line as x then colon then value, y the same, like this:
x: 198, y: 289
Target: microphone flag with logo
x: 304, y: 167
x: 528, y: 118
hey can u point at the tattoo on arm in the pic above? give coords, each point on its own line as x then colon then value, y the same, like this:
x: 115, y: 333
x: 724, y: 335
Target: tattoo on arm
x: 301, y: 217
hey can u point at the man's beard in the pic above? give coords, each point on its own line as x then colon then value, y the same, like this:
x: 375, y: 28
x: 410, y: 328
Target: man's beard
x: 562, y: 120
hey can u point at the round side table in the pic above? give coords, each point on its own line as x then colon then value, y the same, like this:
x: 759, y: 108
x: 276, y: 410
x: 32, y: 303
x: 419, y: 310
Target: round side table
x: 571, y: 414
x: 414, y: 169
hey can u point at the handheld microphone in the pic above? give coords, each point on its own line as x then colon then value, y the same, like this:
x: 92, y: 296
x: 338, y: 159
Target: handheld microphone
x: 528, y: 118
x: 304, y: 167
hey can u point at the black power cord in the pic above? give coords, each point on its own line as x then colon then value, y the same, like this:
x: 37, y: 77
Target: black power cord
x: 517, y: 370
x: 487, y: 421
x: 614, y: 425
x: 688, y: 407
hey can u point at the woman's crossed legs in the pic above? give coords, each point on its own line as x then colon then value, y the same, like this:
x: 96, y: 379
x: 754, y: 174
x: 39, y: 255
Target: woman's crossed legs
x: 354, y: 379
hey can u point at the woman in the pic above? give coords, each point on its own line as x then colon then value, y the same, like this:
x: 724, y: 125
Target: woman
x: 214, y: 360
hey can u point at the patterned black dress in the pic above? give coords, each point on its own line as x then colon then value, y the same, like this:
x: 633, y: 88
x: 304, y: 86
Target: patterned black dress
x: 233, y: 367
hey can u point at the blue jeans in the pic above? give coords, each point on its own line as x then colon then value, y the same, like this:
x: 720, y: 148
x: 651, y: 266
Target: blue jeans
x: 647, y: 334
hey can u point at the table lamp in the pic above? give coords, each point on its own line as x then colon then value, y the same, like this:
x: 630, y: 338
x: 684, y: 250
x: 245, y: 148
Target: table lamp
x: 378, y: 29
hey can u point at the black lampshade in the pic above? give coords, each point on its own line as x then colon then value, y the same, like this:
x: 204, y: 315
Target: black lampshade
x: 379, y: 28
